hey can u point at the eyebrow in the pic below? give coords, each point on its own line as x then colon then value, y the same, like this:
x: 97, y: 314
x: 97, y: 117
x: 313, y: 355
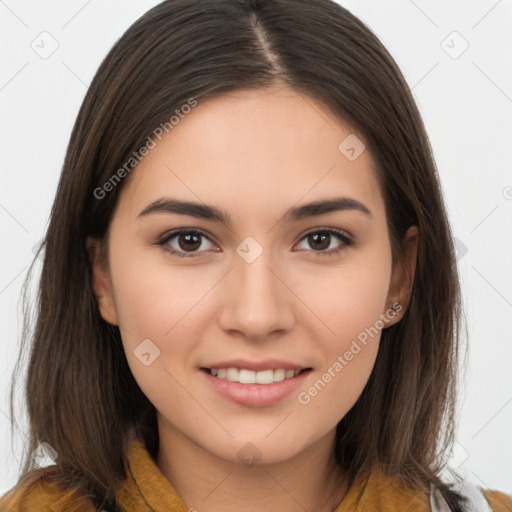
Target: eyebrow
x: 295, y: 214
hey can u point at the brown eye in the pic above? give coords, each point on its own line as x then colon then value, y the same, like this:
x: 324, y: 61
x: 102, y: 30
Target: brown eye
x: 185, y: 243
x: 319, y: 241
x: 189, y: 242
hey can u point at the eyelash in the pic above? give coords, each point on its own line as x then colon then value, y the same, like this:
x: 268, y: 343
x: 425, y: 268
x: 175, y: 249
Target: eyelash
x: 346, y: 242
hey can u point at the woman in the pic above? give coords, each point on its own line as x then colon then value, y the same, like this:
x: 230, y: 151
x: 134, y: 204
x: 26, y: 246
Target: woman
x: 249, y: 295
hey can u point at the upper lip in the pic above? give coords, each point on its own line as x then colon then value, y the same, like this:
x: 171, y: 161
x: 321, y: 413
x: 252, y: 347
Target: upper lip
x: 256, y: 366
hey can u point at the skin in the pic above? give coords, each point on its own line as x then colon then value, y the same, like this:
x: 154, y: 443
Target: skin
x: 253, y: 154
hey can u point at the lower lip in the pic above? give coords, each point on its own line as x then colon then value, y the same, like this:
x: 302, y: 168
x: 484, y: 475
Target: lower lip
x: 256, y: 395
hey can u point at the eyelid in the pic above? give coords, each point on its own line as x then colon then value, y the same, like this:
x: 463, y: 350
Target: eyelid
x: 323, y: 229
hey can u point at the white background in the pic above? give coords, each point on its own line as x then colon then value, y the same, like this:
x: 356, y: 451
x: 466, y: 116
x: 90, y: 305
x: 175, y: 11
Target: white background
x: 466, y: 103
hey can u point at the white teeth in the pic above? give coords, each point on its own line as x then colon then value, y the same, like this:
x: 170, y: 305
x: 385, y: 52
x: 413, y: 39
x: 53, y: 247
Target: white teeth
x: 249, y: 377
x: 232, y: 374
x: 279, y: 375
x: 264, y: 377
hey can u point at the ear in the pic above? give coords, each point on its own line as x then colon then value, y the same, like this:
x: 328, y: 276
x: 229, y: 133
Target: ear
x: 402, y: 278
x: 101, y: 282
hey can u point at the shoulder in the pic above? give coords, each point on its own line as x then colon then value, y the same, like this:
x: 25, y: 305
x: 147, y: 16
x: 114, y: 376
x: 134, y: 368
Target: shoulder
x: 498, y: 501
x: 477, y: 498
x: 381, y: 491
x: 41, y: 494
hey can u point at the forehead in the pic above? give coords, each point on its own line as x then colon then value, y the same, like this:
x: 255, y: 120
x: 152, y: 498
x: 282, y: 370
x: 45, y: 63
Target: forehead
x: 256, y: 151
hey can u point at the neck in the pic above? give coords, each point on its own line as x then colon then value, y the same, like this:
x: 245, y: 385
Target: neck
x: 310, y: 480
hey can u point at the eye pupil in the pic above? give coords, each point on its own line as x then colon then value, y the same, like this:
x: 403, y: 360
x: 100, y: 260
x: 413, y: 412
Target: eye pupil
x: 321, y: 238
x: 188, y: 238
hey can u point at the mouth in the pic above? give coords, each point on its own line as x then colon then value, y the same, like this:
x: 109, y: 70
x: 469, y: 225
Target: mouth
x: 263, y: 385
x: 245, y: 376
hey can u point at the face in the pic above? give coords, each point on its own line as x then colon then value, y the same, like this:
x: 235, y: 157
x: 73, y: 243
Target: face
x: 240, y: 282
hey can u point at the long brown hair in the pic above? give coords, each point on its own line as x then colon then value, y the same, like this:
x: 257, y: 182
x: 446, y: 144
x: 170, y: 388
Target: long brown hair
x: 82, y: 398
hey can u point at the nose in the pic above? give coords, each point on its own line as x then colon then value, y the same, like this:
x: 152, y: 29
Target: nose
x: 256, y: 302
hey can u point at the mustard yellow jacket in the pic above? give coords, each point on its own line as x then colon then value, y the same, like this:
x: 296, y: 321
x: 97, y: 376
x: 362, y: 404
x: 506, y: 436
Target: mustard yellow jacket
x: 146, y: 489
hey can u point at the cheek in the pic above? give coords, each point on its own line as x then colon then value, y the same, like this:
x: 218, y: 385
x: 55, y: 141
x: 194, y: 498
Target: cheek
x: 155, y: 306
x: 159, y: 303
x: 152, y: 298
x: 352, y: 306
x: 348, y: 297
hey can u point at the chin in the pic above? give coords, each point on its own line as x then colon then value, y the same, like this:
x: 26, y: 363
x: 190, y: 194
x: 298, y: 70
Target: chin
x: 256, y: 450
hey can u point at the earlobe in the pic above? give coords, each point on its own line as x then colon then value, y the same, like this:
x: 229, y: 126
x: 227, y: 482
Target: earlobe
x: 101, y: 282
x: 403, y: 275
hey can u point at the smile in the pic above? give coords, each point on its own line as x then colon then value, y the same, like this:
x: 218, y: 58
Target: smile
x: 255, y: 388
